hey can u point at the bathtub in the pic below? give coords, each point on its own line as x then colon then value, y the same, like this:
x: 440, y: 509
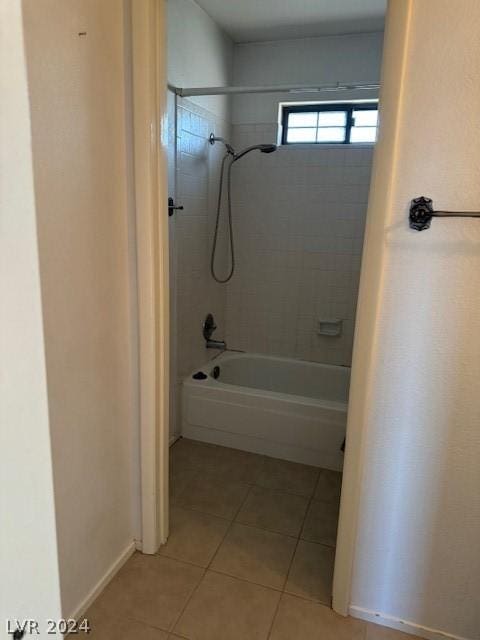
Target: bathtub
x: 277, y: 407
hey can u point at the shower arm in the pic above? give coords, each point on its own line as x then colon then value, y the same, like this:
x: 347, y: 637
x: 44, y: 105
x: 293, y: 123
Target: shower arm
x: 213, y: 139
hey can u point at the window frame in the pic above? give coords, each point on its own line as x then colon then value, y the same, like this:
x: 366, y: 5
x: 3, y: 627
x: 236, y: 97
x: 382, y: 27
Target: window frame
x: 347, y: 107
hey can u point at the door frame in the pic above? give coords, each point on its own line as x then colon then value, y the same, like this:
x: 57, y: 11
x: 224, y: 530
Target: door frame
x: 150, y: 166
x: 150, y: 179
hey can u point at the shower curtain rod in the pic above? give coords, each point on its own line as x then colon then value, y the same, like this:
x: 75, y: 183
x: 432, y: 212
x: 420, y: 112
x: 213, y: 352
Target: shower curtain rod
x: 217, y: 91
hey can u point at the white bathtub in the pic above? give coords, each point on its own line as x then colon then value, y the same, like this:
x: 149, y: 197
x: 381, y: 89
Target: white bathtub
x: 278, y: 407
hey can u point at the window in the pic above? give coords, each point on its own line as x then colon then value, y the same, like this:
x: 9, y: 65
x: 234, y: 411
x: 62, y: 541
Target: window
x: 349, y: 123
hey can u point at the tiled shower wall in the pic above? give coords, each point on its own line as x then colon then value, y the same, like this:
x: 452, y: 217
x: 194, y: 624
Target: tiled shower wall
x: 194, y: 293
x: 299, y: 216
x: 299, y: 223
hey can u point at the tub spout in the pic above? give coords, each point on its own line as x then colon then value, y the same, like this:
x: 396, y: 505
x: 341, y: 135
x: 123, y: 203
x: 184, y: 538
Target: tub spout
x: 216, y: 344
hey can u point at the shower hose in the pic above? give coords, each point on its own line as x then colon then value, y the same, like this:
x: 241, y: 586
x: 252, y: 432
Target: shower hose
x: 230, y: 222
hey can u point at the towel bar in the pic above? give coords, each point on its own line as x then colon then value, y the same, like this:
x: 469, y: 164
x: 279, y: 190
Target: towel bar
x: 422, y: 212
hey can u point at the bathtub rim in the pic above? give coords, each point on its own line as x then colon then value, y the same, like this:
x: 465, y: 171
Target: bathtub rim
x: 213, y: 383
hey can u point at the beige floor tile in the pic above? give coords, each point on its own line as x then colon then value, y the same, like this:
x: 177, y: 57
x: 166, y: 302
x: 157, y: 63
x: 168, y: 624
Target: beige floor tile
x: 180, y: 479
x: 280, y: 512
x: 287, y: 477
x: 297, y: 618
x: 329, y: 486
x: 187, y: 453
x: 242, y: 466
x: 311, y: 573
x: 253, y: 554
x: 377, y: 632
x: 149, y: 589
x: 105, y: 627
x: 224, y: 608
x: 233, y: 464
x: 213, y: 494
x: 321, y: 523
x: 194, y: 536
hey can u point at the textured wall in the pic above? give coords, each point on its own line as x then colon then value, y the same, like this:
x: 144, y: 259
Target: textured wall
x: 417, y: 381
x: 299, y: 218
x: 76, y: 86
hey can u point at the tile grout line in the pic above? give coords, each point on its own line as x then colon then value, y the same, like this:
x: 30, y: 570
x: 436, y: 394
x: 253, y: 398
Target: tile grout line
x: 229, y: 528
x: 270, y: 629
x: 254, y: 484
x: 170, y: 630
x: 177, y: 505
x: 177, y: 619
x: 292, y: 559
x: 325, y: 545
x: 268, y: 588
x: 256, y: 584
x: 247, y: 524
x: 264, y: 459
x: 300, y: 533
x: 207, y: 568
x: 251, y: 488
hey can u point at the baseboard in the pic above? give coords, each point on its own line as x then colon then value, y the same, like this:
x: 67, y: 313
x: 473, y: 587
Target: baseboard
x: 402, y: 625
x: 103, y: 582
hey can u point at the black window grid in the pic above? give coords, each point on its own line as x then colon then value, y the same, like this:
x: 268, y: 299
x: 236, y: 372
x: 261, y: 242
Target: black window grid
x: 348, y: 108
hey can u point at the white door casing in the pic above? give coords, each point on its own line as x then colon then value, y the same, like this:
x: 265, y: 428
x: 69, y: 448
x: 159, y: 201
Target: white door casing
x: 150, y: 167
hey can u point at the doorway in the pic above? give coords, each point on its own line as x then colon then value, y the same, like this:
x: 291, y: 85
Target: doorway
x: 272, y: 177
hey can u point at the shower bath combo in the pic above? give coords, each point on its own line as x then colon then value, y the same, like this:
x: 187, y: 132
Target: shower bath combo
x: 269, y: 405
x: 232, y: 156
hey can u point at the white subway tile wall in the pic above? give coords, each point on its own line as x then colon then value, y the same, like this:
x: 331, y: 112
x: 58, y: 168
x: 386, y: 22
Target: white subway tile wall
x: 197, y: 174
x: 299, y: 222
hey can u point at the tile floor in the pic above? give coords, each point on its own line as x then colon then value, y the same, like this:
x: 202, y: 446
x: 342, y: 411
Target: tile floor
x: 250, y: 557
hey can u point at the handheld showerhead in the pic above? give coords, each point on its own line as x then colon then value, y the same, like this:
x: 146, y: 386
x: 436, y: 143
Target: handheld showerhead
x: 268, y: 148
x: 228, y: 164
x: 264, y: 148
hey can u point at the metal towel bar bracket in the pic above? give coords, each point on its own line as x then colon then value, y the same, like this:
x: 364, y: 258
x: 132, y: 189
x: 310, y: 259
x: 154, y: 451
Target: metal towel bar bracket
x: 422, y: 212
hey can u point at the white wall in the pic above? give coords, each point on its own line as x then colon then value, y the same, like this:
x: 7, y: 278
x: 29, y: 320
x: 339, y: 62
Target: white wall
x: 200, y: 54
x: 323, y: 60
x: 416, y: 370
x: 28, y: 548
x: 77, y: 95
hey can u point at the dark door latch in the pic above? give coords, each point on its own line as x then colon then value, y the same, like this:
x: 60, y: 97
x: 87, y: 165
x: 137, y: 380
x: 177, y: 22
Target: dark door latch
x: 172, y: 207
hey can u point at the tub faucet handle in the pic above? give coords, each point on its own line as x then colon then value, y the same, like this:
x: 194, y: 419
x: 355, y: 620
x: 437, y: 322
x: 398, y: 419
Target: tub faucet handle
x: 209, y: 326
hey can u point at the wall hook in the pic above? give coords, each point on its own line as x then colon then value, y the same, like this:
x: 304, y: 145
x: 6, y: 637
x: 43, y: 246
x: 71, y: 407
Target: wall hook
x: 422, y: 212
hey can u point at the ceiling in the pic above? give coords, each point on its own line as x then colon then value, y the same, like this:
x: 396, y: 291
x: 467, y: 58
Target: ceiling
x: 258, y: 20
